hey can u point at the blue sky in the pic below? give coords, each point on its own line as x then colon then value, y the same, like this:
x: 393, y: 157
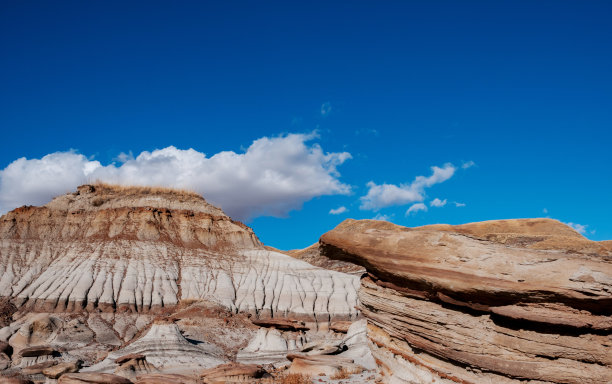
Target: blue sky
x: 522, y: 90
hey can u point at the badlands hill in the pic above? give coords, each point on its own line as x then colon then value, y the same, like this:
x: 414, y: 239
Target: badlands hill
x: 148, y: 285
x: 95, y: 271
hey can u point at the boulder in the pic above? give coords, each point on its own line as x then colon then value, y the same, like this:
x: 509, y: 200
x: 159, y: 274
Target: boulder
x: 38, y: 368
x: 323, y: 347
x: 92, y: 378
x: 57, y: 370
x: 321, y: 365
x: 232, y: 372
x: 41, y: 350
x: 340, y: 326
x: 130, y: 356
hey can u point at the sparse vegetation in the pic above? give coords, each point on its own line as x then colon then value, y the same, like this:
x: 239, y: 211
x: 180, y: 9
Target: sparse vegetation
x: 345, y: 373
x: 142, y: 190
x: 295, y: 378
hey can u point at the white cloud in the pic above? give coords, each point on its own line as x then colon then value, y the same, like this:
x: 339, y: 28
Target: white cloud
x: 545, y: 211
x: 326, y: 109
x: 458, y: 204
x: 468, y: 164
x: 582, y: 229
x: 273, y: 176
x: 437, y: 203
x: 414, y: 208
x: 385, y: 195
x: 338, y: 210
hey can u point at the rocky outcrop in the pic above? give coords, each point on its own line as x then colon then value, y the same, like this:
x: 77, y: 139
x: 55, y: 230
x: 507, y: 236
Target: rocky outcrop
x: 232, y: 372
x: 57, y: 370
x: 116, y: 249
x: 495, y: 302
x: 163, y: 347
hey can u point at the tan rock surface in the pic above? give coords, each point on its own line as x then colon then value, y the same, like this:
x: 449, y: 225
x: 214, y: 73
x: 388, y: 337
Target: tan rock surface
x: 57, y: 370
x: 92, y: 378
x: 484, y: 297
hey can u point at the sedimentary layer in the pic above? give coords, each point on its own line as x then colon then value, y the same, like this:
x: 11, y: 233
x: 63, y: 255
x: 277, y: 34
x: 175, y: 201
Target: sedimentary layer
x: 487, y: 302
x: 108, y: 248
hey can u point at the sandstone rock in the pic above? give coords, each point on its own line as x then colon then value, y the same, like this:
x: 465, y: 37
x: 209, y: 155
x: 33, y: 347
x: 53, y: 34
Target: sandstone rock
x: 14, y: 380
x: 282, y: 324
x: 321, y: 365
x: 56, y: 371
x: 92, y: 378
x: 322, y: 347
x: 267, y: 346
x: 40, y: 350
x: 512, y: 305
x: 166, y: 349
x: 160, y: 378
x: 128, y: 357
x: 340, y: 326
x: 232, y: 372
x: 38, y: 368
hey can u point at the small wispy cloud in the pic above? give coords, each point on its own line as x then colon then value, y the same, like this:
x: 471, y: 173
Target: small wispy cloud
x: 437, y: 203
x: 582, y: 229
x: 458, y: 204
x: 367, y: 131
x: 382, y: 217
x: 326, y: 109
x: 338, y: 210
x: 416, y: 208
x: 385, y: 195
x: 467, y: 164
x: 545, y: 211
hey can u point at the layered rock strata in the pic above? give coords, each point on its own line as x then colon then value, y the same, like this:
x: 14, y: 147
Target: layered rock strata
x: 495, y: 302
x: 142, y: 249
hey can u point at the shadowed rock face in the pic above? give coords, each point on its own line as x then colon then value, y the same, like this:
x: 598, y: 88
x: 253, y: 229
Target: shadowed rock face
x: 484, y: 302
x: 141, y: 249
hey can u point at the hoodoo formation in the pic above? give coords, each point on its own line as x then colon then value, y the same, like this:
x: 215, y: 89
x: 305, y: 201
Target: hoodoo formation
x: 142, y: 285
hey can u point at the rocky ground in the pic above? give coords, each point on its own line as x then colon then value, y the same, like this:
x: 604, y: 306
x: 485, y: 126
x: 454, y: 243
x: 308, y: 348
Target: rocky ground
x: 149, y: 285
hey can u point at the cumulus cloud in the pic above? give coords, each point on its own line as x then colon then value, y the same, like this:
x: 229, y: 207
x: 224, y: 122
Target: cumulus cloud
x: 437, y: 203
x: 582, y: 229
x: 414, y: 208
x: 338, y: 210
x: 385, y: 195
x: 271, y: 177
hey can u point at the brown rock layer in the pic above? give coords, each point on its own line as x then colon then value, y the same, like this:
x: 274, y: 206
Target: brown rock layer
x: 508, y: 299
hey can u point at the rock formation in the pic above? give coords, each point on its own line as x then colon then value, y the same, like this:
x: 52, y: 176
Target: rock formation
x: 495, y: 302
x: 151, y: 285
x: 109, y: 271
x: 141, y: 249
